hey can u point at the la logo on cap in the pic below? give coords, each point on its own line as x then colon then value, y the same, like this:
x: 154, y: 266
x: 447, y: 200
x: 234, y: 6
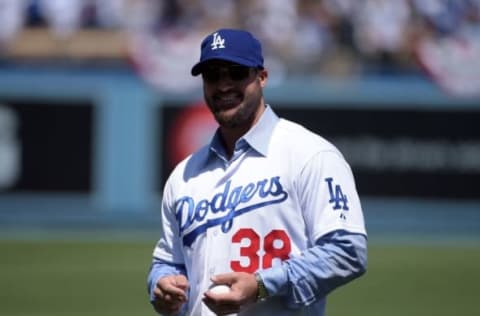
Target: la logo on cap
x: 218, y: 41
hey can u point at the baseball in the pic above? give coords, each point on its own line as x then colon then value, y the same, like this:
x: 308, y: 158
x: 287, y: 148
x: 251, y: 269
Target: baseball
x: 219, y: 289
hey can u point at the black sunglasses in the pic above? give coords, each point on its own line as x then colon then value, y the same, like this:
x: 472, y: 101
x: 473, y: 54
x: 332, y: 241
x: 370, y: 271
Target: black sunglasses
x: 213, y: 74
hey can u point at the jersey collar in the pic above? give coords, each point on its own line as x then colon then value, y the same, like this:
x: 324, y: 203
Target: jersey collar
x: 259, y: 136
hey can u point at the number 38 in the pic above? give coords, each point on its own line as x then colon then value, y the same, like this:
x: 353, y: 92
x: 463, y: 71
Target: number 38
x: 270, y: 246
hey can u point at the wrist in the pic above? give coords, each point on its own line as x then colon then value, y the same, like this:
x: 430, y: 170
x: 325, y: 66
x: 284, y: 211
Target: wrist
x: 262, y: 292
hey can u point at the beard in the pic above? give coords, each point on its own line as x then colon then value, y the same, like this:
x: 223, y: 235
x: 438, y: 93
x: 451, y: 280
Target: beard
x: 241, y: 115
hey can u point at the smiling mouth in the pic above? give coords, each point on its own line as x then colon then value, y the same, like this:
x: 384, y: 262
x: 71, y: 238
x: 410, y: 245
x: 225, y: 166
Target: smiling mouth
x: 227, y: 102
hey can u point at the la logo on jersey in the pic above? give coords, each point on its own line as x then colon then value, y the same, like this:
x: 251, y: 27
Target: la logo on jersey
x: 218, y: 41
x: 337, y: 198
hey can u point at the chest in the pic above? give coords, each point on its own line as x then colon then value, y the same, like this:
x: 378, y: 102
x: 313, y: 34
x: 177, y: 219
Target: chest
x: 257, y: 194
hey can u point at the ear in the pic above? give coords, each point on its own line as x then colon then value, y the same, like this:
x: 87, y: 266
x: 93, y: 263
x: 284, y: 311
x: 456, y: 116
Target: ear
x: 263, y: 77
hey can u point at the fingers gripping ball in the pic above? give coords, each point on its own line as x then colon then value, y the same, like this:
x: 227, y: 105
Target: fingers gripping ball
x: 219, y: 289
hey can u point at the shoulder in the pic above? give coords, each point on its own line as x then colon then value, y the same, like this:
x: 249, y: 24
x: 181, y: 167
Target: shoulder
x: 299, y: 137
x: 190, y: 167
x: 297, y: 146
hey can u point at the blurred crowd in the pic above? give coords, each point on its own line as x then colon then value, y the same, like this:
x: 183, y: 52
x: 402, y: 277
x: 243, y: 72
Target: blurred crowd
x: 334, y: 37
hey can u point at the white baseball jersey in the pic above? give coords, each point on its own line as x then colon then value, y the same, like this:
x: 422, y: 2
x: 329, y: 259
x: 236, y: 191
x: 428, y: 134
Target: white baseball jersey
x: 267, y: 204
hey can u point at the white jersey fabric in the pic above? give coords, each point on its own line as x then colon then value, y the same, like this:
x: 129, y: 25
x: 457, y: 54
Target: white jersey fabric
x: 284, y: 188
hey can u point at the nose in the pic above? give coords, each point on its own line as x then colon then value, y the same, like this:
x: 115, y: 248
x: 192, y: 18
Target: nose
x: 224, y: 81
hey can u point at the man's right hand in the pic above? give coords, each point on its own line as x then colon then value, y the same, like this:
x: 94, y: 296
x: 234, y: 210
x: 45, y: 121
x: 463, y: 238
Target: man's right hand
x: 170, y: 294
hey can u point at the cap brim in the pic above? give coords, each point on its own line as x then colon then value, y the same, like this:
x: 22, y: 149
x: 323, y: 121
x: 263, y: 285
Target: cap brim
x: 197, y: 68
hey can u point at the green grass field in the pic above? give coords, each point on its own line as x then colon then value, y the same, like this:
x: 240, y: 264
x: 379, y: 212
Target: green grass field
x: 49, y: 278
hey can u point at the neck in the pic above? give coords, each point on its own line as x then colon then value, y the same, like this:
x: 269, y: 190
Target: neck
x: 230, y: 135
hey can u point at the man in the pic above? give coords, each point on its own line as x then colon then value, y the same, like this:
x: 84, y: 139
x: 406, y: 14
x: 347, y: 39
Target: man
x: 267, y: 208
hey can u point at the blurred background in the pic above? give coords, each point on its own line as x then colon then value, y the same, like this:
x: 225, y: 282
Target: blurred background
x: 97, y: 105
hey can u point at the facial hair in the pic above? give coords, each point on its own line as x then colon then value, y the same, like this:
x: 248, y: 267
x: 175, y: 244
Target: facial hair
x: 244, y: 114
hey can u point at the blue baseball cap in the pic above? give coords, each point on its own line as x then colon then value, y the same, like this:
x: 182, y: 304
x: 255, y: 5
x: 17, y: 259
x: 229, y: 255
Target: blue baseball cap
x: 236, y: 46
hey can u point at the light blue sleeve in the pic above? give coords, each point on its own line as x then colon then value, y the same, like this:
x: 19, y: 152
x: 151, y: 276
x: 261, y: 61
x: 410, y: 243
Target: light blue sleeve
x: 336, y: 259
x: 159, y: 269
